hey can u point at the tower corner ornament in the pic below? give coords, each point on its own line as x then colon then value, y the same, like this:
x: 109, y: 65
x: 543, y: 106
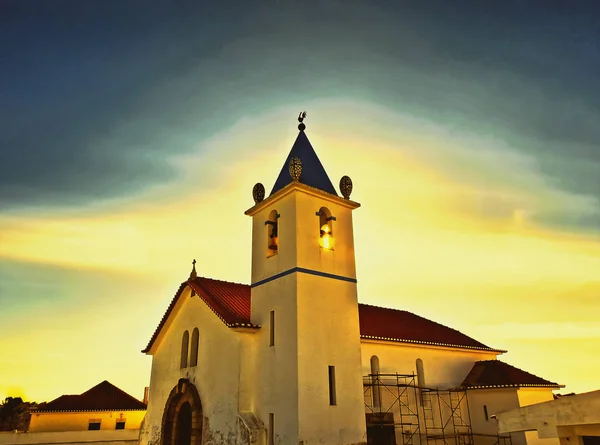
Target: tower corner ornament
x: 346, y: 186
x: 258, y: 193
x: 301, y: 118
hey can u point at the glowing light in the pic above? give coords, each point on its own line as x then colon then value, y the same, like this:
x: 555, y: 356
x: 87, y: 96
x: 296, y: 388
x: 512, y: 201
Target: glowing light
x: 326, y: 238
x: 274, y: 243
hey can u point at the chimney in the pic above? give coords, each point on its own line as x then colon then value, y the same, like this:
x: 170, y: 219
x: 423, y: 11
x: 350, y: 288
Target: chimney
x: 146, y: 390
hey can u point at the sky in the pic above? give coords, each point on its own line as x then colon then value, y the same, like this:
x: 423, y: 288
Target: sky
x: 132, y: 133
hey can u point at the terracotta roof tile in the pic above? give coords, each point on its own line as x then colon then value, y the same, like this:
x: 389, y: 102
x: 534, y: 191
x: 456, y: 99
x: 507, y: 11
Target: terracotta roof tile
x: 103, y: 397
x: 231, y: 303
x: 395, y: 325
x: 497, y: 374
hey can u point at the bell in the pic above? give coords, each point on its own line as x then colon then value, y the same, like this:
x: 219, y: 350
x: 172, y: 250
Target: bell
x: 326, y: 238
x: 274, y: 239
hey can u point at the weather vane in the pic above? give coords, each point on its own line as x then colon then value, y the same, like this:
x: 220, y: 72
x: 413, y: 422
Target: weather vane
x: 301, y: 118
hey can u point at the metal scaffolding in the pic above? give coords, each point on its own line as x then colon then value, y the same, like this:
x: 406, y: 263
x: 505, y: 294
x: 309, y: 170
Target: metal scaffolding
x: 399, y: 412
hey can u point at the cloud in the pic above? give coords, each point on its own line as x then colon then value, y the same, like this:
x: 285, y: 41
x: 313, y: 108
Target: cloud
x: 444, y: 198
x: 105, y: 123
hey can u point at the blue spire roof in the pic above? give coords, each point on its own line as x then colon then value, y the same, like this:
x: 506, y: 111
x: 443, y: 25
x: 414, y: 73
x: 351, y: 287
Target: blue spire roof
x: 313, y: 173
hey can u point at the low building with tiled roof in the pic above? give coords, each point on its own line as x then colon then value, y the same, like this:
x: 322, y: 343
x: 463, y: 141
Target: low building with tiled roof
x: 102, y: 407
x: 293, y: 358
x: 497, y: 374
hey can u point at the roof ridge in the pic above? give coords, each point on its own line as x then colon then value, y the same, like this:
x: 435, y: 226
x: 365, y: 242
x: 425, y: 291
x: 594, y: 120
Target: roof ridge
x: 382, y: 307
x: 219, y: 280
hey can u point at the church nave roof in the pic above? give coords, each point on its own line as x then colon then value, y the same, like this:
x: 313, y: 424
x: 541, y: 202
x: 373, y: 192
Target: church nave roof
x: 231, y: 302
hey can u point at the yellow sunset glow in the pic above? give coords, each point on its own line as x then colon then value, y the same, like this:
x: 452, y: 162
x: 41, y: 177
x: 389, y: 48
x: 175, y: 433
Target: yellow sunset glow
x: 445, y: 255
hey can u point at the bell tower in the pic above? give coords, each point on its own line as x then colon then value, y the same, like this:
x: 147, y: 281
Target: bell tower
x: 308, y: 360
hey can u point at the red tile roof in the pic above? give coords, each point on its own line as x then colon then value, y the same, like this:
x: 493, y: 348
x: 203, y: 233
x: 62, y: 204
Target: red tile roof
x: 497, y: 374
x: 103, y: 397
x: 231, y: 303
x: 395, y: 325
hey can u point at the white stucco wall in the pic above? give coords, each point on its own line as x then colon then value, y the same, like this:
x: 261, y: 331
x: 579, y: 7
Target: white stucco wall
x: 328, y: 335
x: 264, y: 266
x: 503, y: 399
x: 316, y: 323
x: 565, y: 419
x: 216, y: 376
x: 531, y: 396
x: 444, y: 367
x: 496, y: 400
x: 275, y: 388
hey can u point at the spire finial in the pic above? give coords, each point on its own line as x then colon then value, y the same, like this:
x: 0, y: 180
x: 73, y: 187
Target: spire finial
x: 193, y: 274
x: 301, y: 118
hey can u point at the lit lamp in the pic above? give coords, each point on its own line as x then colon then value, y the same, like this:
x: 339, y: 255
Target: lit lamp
x: 274, y: 241
x: 326, y: 237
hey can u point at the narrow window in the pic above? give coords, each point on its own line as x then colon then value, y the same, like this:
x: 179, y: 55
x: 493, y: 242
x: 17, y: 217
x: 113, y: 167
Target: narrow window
x: 376, y: 392
x: 194, y: 352
x: 485, y: 413
x: 272, y: 233
x: 332, y: 400
x: 325, y: 228
x: 271, y: 429
x: 94, y: 425
x: 272, y: 329
x: 120, y: 425
x: 420, y: 379
x: 185, y: 340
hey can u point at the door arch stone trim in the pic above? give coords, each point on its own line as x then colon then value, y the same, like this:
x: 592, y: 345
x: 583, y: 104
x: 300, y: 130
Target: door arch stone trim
x: 184, y: 391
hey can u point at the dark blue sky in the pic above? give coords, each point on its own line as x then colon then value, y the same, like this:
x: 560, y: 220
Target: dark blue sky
x: 97, y: 95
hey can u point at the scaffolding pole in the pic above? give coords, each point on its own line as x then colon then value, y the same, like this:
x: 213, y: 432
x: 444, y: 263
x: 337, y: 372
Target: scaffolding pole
x: 399, y: 412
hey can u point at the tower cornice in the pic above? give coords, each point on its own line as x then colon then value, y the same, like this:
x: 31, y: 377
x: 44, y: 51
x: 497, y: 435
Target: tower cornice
x: 302, y: 188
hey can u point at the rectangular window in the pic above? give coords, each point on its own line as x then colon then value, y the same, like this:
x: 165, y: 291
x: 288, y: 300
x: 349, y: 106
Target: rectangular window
x: 271, y: 429
x: 485, y: 412
x: 120, y: 425
x: 272, y: 329
x: 332, y: 400
x: 94, y: 425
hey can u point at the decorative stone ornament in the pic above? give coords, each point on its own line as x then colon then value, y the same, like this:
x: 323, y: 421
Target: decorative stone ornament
x: 295, y: 168
x: 258, y: 192
x: 346, y: 186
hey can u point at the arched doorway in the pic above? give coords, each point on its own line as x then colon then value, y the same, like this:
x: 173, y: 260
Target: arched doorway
x: 182, y: 418
x: 183, y: 434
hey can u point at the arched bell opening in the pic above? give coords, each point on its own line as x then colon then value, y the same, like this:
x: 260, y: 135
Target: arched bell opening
x: 325, y: 228
x: 272, y: 233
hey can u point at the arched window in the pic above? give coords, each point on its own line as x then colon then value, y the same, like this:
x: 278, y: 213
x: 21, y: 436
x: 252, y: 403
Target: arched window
x: 272, y: 233
x: 420, y: 379
x: 375, y: 381
x: 420, y: 373
x: 185, y: 340
x: 194, y: 351
x: 325, y: 228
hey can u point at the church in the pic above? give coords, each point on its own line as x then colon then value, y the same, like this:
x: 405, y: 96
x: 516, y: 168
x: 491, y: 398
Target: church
x: 294, y: 359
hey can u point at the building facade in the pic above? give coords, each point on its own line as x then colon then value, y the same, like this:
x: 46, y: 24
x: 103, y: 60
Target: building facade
x: 294, y: 358
x: 102, y: 407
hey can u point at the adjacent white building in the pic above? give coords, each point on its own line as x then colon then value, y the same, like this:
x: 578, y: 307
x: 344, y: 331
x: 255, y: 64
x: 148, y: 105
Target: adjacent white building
x: 294, y: 358
x: 572, y: 419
